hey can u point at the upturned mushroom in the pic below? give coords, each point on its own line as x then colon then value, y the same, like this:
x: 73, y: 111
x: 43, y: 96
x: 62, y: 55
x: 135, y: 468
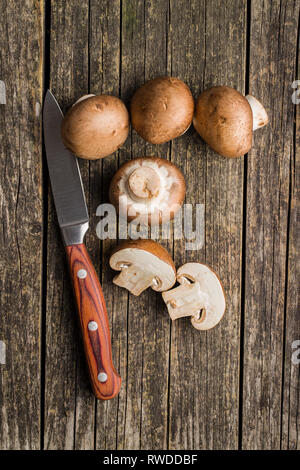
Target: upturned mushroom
x: 95, y: 126
x: 199, y: 296
x: 225, y: 119
x: 150, y: 188
x: 143, y: 264
x: 162, y: 109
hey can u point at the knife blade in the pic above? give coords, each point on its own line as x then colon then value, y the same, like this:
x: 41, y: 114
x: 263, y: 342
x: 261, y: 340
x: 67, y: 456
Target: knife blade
x: 73, y: 219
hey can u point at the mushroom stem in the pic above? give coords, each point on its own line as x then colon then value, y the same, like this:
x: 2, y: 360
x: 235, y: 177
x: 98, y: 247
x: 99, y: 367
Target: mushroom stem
x: 144, y: 183
x: 260, y: 116
x: 186, y: 300
x: 134, y: 279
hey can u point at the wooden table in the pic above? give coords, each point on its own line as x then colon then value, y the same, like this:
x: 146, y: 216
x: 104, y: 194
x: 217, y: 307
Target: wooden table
x: 234, y: 386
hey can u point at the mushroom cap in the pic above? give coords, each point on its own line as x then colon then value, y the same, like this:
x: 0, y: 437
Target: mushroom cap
x: 95, y: 127
x: 223, y: 118
x: 162, y: 109
x: 211, y: 288
x: 150, y: 256
x: 150, y: 188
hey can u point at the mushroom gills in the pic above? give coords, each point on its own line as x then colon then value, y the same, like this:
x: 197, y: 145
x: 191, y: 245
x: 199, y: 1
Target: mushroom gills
x: 150, y: 189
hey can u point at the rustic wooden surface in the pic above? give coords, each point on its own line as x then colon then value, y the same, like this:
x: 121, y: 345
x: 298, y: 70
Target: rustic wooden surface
x: 21, y: 69
x: 232, y: 387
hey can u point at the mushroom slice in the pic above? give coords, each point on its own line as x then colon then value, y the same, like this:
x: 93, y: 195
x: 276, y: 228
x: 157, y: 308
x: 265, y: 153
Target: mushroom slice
x: 226, y: 119
x: 199, y: 296
x: 143, y: 264
x: 150, y: 188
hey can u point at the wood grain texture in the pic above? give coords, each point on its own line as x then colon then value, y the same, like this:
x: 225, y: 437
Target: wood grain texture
x: 273, y: 43
x: 203, y: 402
x: 69, y: 404
x: 21, y: 69
x: 290, y: 434
x: 92, y: 310
x: 181, y: 388
x: 122, y: 47
x: 145, y: 420
x: 104, y: 76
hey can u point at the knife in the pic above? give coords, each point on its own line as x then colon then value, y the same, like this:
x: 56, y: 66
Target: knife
x: 73, y: 220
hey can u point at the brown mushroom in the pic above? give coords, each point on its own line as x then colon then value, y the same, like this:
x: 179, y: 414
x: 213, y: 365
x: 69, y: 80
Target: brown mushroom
x: 162, y: 109
x: 143, y: 264
x: 199, y: 296
x: 225, y: 119
x: 95, y: 126
x: 150, y: 188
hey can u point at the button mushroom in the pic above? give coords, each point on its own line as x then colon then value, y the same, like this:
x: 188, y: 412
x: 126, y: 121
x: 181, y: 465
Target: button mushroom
x: 200, y: 296
x: 162, y: 109
x: 150, y: 188
x: 225, y: 119
x: 143, y: 264
x: 95, y: 126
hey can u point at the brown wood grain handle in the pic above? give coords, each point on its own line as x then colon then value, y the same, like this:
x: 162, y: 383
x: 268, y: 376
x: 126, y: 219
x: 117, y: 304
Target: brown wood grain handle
x: 93, y: 319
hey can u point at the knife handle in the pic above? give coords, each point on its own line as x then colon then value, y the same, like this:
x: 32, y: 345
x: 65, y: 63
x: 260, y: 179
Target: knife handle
x: 91, y: 308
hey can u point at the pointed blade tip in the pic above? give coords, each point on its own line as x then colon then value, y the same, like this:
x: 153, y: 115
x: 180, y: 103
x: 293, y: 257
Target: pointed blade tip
x: 63, y: 168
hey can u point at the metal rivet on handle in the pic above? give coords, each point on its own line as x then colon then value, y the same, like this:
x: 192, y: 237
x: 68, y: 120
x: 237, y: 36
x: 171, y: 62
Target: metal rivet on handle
x: 102, y: 377
x: 81, y: 273
x: 92, y: 326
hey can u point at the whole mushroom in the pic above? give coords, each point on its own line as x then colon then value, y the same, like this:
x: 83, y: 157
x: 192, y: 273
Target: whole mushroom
x: 150, y: 188
x: 199, y: 296
x: 143, y: 264
x: 95, y: 126
x: 162, y: 109
x: 225, y: 119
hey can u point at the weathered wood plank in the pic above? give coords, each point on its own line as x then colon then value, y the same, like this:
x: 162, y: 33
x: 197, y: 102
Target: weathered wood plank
x: 290, y: 438
x: 69, y: 404
x: 148, y: 325
x: 207, y: 43
x: 140, y: 328
x: 272, y: 66
x: 144, y: 56
x: 21, y: 70
x: 105, y: 79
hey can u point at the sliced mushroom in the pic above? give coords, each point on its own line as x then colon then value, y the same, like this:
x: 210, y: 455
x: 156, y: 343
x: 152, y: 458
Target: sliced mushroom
x: 225, y: 119
x: 143, y: 264
x: 162, y: 109
x: 95, y: 126
x: 150, y: 188
x: 199, y: 296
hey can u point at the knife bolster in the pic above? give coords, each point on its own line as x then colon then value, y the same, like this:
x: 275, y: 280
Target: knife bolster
x: 74, y: 234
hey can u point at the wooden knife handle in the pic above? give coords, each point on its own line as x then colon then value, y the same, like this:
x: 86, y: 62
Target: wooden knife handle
x: 93, y: 319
